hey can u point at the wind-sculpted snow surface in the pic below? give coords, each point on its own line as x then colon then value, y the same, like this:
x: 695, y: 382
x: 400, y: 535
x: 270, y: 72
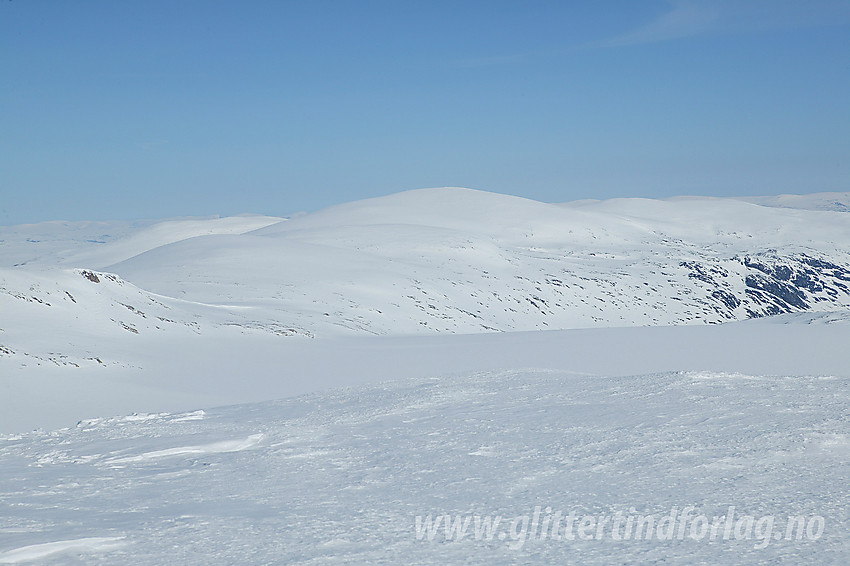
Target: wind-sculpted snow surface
x: 360, y: 475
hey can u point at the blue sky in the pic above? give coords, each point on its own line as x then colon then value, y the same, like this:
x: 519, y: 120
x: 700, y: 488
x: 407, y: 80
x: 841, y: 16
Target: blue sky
x: 131, y: 109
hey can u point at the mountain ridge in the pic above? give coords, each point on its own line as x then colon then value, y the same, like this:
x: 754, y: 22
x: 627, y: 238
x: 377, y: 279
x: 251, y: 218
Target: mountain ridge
x: 427, y: 261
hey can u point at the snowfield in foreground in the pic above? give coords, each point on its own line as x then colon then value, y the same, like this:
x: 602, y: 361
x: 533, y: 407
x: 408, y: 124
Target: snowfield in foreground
x: 758, y: 438
x: 341, y: 477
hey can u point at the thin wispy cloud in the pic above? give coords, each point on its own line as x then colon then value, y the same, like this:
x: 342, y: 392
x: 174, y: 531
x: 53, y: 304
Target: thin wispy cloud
x: 692, y: 18
x: 696, y: 18
x: 684, y: 19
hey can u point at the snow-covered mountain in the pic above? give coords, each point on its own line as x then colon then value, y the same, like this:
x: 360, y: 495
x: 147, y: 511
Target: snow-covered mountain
x: 424, y: 261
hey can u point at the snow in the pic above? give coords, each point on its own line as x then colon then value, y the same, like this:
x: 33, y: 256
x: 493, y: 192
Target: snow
x: 839, y: 202
x: 43, y: 243
x: 266, y: 390
x: 430, y: 261
x: 222, y: 368
x: 211, y: 448
x: 339, y: 477
x: 50, y: 549
x: 92, y: 243
x: 164, y: 233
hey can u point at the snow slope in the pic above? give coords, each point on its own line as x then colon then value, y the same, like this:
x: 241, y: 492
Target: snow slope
x: 60, y: 242
x: 457, y: 260
x: 839, y: 202
x: 162, y: 371
x: 421, y: 262
x: 339, y: 478
x: 416, y: 263
x: 46, y: 242
x: 428, y: 261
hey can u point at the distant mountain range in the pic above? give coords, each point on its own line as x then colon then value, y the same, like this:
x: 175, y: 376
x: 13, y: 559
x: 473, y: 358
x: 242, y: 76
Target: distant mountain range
x: 445, y: 260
